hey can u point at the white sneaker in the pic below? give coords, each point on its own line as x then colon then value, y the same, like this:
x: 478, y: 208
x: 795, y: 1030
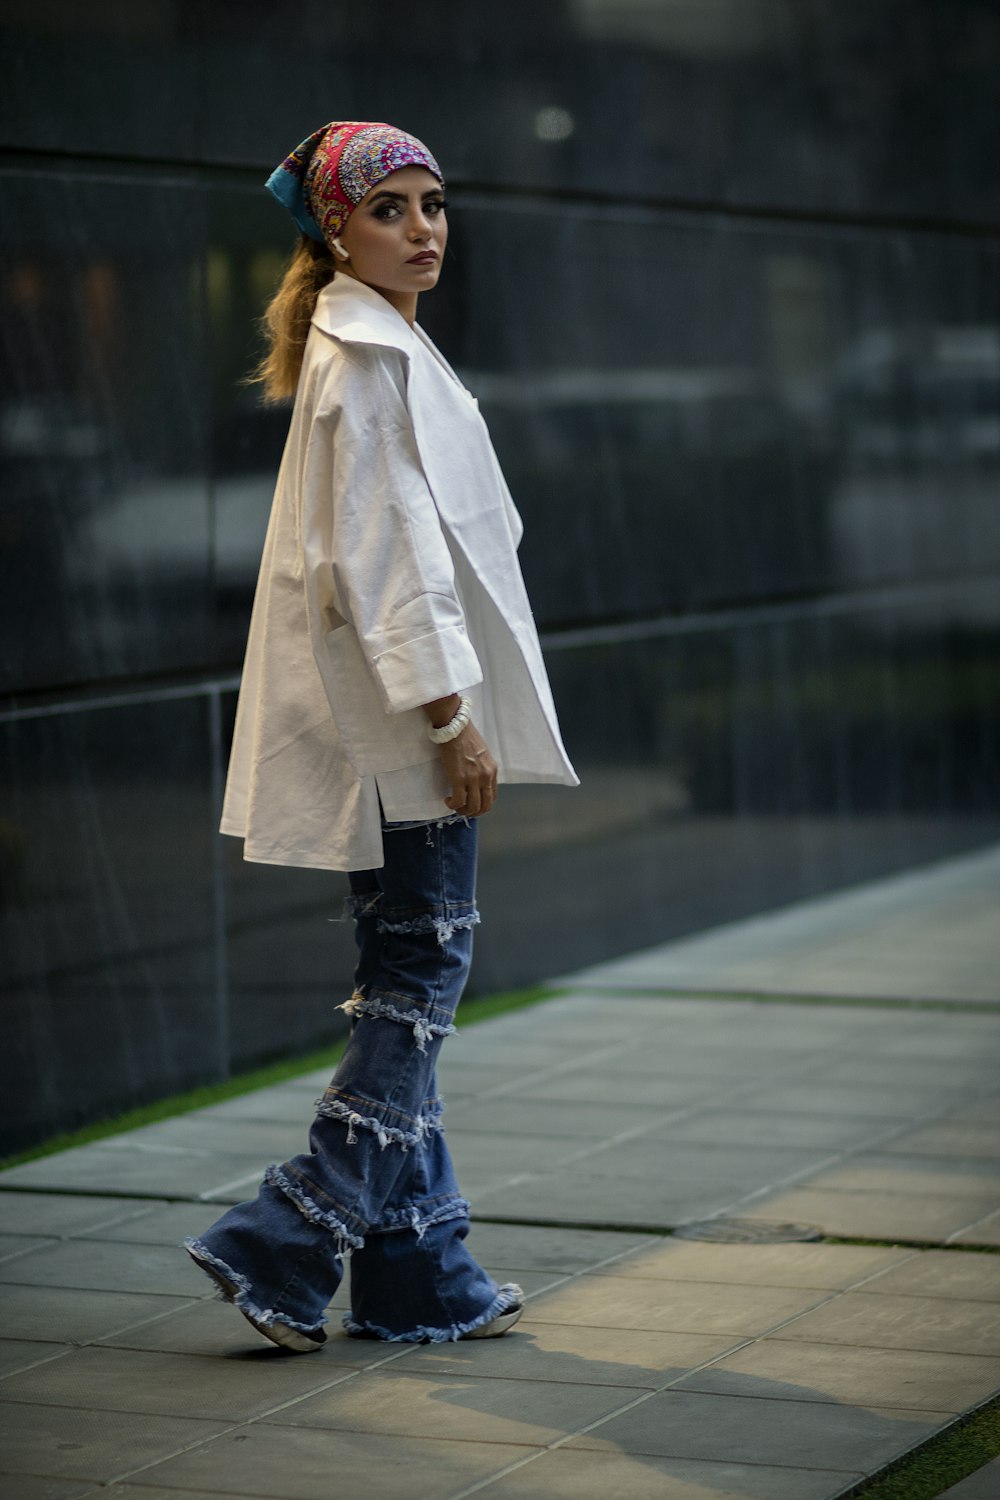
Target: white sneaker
x: 279, y: 1333
x: 500, y: 1324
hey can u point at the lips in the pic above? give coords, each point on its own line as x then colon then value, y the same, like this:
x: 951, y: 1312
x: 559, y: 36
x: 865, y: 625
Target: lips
x: 425, y: 258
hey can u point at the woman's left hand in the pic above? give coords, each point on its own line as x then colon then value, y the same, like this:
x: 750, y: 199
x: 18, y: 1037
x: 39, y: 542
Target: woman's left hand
x: 471, y: 772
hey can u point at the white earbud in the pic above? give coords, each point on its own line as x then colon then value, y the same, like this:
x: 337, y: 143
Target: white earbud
x: 340, y: 249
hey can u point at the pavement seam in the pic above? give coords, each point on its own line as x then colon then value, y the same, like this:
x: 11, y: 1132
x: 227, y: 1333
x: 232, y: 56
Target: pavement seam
x: 984, y: 1219
x: 26, y: 1249
x: 662, y: 1232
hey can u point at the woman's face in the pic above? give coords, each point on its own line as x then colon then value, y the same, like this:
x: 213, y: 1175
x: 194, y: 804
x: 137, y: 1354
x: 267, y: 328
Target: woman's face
x: 396, y: 236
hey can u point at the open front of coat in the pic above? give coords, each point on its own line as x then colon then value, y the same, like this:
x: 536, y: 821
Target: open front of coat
x: 389, y: 578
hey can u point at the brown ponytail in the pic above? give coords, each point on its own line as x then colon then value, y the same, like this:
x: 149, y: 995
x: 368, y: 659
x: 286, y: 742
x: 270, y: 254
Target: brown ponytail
x: 286, y: 320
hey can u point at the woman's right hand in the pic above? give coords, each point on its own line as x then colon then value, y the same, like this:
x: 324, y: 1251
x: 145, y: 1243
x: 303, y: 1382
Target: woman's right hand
x: 471, y: 773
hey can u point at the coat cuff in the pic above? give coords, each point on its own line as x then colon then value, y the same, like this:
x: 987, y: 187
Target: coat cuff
x: 429, y: 667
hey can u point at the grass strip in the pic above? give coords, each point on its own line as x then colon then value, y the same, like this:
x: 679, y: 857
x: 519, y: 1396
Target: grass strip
x: 775, y: 997
x: 472, y: 1011
x: 967, y: 1249
x: 939, y: 1463
x: 667, y: 1231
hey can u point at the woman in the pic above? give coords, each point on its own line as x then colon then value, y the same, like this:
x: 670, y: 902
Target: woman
x: 392, y: 679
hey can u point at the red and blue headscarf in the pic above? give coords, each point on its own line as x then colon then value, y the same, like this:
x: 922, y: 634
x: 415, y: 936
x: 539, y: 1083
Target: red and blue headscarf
x: 325, y: 178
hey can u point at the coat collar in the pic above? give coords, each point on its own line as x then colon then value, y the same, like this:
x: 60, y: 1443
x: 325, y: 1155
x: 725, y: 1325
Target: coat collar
x: 358, y: 314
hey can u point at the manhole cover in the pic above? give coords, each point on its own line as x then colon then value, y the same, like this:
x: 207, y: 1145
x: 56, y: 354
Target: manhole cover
x: 747, y: 1232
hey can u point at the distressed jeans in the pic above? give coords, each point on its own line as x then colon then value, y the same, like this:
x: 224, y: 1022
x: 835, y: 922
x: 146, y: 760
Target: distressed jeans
x: 377, y: 1185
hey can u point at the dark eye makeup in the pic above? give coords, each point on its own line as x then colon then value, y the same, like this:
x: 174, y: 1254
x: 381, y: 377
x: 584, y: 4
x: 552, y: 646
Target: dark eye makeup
x: 388, y: 208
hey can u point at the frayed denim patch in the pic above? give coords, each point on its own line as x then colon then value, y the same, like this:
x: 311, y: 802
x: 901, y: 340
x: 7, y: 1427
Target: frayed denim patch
x: 361, y: 906
x: 412, y: 1217
x: 362, y: 1005
x: 508, y: 1297
x: 444, y: 927
x: 336, y: 1109
x: 238, y: 1294
x: 344, y: 1240
x: 403, y: 824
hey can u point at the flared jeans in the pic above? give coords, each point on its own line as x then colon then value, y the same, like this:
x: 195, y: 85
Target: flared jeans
x: 377, y: 1185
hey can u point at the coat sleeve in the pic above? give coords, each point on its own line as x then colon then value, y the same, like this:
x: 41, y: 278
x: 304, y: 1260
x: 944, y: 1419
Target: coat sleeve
x: 373, y: 538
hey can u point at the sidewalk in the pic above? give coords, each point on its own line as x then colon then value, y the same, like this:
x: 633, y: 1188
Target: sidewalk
x: 689, y: 1082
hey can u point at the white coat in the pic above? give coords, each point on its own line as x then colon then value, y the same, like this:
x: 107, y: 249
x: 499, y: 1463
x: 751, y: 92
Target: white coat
x: 389, y: 578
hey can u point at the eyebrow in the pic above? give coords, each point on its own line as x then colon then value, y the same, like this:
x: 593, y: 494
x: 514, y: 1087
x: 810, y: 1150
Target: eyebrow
x: 402, y: 197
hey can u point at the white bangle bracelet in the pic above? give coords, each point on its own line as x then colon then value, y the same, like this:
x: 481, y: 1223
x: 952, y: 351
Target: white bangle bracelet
x: 454, y: 727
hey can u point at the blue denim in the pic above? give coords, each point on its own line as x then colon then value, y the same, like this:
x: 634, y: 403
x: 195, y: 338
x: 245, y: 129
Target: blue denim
x: 377, y: 1185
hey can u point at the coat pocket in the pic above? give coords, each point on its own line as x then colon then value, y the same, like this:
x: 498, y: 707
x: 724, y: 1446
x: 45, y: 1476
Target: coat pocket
x: 374, y: 739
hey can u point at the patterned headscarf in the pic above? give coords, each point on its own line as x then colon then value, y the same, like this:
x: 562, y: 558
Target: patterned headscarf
x: 328, y: 174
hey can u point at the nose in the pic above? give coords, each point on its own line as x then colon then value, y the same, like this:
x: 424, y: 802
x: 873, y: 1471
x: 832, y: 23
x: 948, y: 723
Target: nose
x: 420, y: 226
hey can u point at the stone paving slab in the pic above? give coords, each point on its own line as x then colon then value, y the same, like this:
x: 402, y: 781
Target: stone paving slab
x: 108, y: 1166
x: 884, y: 1321
x: 100, y: 1265
x: 304, y: 1463
x: 504, y: 1054
x: 21, y: 1354
x: 608, y: 1086
x: 67, y: 1315
x: 942, y: 1079
x: 577, y: 1354
x: 951, y: 1138
x: 940, y: 1273
x: 553, y: 1249
x: 822, y: 1267
x: 206, y: 1134
x: 213, y: 1330
x: 483, y: 1154
x: 882, y: 1172
x: 172, y: 1385
x: 899, y: 1103
x: 735, y: 1429
x: 928, y: 934
x: 12, y: 1245
x: 165, y: 1224
x: 900, y: 1215
x: 64, y: 1213
x: 402, y: 1401
x: 587, y: 1121
x: 984, y: 1484
x: 630, y: 1202
x: 688, y: 1165
x: 281, y: 1103
x: 985, y: 1232
x: 721, y: 1126
x: 72, y: 1443
x: 914, y: 1379
x: 568, y: 1475
x: 140, y: 1491
x: 688, y: 1307
x: 37, y: 1487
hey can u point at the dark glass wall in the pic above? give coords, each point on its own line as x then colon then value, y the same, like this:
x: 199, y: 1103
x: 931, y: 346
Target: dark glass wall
x: 725, y: 278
